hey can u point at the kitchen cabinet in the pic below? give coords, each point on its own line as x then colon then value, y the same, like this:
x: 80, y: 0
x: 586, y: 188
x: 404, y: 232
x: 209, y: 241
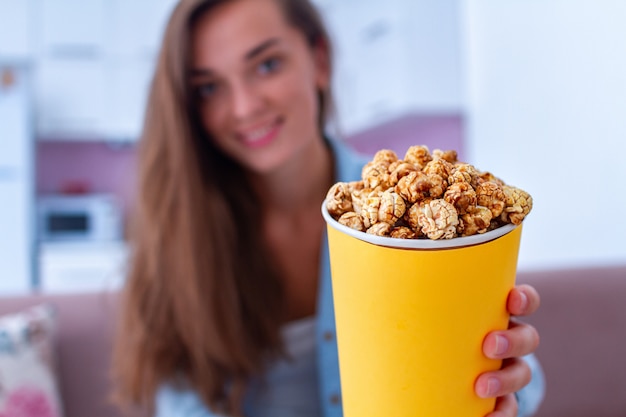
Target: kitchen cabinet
x: 17, y: 30
x: 73, y: 28
x: 71, y: 98
x: 70, y: 267
x: 126, y: 41
x: 393, y: 60
x: 127, y: 93
x: 93, y: 64
x: 94, y: 67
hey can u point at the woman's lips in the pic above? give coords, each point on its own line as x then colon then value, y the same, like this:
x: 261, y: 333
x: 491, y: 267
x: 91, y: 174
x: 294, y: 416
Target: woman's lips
x: 260, y: 136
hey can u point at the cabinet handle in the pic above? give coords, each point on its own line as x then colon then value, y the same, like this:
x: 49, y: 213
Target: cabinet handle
x: 375, y: 31
x: 74, y: 51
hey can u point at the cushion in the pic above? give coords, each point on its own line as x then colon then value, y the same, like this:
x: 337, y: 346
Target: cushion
x: 28, y: 384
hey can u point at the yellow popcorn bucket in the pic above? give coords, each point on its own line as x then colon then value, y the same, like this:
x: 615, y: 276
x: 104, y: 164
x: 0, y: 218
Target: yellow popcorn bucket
x: 411, y: 317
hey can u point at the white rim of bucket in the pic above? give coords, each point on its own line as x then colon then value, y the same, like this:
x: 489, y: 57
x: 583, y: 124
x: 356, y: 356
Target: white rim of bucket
x: 456, y: 242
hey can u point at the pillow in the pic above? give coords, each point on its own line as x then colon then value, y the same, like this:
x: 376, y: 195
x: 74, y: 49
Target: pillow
x: 28, y: 385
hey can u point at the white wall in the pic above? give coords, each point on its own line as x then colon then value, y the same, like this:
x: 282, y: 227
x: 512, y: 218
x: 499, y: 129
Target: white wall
x: 547, y: 112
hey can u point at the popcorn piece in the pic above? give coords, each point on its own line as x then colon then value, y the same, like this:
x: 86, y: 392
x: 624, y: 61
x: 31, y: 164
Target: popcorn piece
x: 518, y: 205
x: 392, y: 207
x: 402, y: 232
x: 477, y: 221
x: 439, y: 167
x: 338, y: 199
x: 488, y: 176
x: 375, y: 175
x: 352, y: 220
x: 418, y: 155
x: 491, y: 195
x: 379, y: 229
x: 417, y: 185
x: 437, y: 185
x: 464, y: 173
x: 412, y: 215
x: 438, y: 219
x: 385, y: 157
x: 448, y: 156
x: 399, y: 169
x: 357, y: 194
x: 462, y: 196
x: 370, y: 208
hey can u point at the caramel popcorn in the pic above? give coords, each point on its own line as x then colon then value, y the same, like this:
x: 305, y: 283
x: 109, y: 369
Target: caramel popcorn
x: 398, y: 170
x: 418, y: 155
x: 352, y: 220
x: 370, y: 208
x: 402, y: 232
x: 448, y: 156
x: 379, y: 229
x: 491, y: 195
x: 518, y: 205
x: 392, y: 207
x: 339, y: 199
x: 475, y: 221
x: 385, y: 157
x: 375, y: 175
x: 462, y: 196
x: 425, y: 195
x: 438, y: 219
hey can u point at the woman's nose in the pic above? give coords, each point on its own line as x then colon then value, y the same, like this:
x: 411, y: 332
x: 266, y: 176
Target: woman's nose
x: 245, y: 101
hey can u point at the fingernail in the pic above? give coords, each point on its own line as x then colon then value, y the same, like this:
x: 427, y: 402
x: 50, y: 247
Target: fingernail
x: 523, y: 300
x: 502, y: 345
x: 493, y: 387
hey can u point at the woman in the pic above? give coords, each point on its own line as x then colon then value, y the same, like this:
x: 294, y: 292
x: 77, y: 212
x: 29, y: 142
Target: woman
x: 229, y: 275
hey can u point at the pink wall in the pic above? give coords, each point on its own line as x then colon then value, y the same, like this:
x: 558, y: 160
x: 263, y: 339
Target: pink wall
x: 87, y: 166
x: 435, y: 131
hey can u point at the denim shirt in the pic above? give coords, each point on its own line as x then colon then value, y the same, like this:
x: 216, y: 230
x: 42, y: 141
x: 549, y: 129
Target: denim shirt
x: 173, y: 402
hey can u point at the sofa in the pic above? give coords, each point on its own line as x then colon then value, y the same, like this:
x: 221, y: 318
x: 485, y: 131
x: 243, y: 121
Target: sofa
x: 582, y: 323
x: 84, y: 334
x: 582, y: 326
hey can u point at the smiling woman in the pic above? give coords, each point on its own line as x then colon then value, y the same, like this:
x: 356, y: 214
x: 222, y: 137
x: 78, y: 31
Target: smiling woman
x: 228, y: 306
x: 258, y: 98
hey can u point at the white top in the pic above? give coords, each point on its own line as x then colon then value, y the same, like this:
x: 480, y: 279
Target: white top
x: 290, y: 386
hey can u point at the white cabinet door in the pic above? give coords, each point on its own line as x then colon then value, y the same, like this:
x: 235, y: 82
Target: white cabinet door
x: 395, y: 59
x: 94, y: 67
x: 71, y: 98
x: 370, y: 77
x: 71, y: 78
x: 73, y: 28
x: 435, y: 53
x: 138, y: 27
x: 128, y: 92
x: 132, y: 54
x: 16, y: 30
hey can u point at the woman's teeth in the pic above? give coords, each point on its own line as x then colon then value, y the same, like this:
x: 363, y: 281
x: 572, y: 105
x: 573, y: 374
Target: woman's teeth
x: 258, y: 134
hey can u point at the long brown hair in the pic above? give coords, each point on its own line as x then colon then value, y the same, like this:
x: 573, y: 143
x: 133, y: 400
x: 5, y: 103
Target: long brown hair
x: 202, y: 305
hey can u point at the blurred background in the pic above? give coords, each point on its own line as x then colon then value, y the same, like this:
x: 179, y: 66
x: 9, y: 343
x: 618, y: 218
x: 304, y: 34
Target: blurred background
x: 533, y: 91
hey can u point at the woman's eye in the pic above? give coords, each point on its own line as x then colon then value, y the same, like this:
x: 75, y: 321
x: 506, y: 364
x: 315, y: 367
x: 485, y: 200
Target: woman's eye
x: 269, y: 66
x: 206, y: 90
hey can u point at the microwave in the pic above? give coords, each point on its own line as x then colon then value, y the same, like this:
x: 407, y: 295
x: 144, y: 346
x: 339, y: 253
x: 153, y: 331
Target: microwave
x: 79, y: 218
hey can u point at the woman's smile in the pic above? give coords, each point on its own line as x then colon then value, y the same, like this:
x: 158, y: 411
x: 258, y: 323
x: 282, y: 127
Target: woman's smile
x: 260, y: 135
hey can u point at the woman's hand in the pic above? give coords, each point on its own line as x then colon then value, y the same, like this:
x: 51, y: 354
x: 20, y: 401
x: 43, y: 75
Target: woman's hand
x: 510, y: 345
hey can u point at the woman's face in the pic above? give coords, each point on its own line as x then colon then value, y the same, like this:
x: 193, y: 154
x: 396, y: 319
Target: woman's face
x: 257, y: 81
